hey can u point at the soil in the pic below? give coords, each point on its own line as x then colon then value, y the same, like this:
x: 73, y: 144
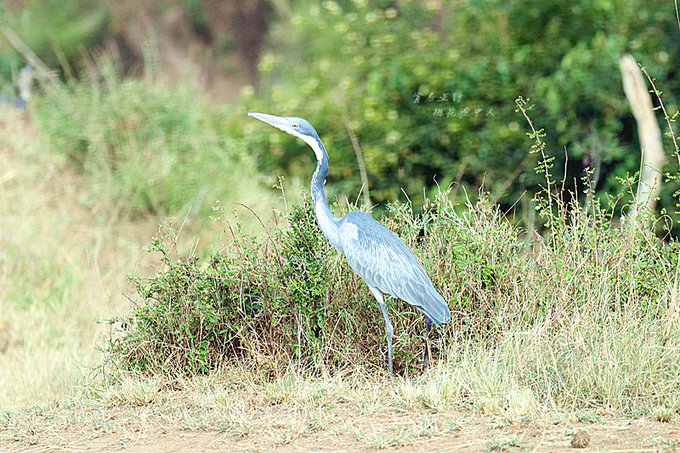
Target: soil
x: 468, y: 433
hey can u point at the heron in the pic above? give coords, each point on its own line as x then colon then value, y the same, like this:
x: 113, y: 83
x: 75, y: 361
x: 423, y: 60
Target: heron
x: 374, y: 252
x: 22, y: 88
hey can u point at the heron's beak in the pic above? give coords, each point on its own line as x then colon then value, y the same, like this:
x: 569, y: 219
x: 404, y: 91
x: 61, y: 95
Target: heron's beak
x: 273, y: 120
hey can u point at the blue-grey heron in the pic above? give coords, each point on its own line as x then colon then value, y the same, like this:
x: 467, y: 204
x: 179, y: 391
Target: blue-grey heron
x: 378, y: 255
x: 22, y: 87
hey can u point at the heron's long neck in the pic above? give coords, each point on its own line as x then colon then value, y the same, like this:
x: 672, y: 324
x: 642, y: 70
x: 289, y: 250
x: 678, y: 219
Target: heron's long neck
x: 324, y: 217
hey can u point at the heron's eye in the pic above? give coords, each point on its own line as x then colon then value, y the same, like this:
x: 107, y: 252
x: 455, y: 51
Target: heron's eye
x: 295, y: 125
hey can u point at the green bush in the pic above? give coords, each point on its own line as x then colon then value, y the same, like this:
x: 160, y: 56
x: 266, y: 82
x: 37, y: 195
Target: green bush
x: 56, y: 31
x: 147, y: 147
x: 379, y: 62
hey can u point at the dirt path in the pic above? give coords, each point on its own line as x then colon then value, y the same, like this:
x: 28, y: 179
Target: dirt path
x: 389, y: 432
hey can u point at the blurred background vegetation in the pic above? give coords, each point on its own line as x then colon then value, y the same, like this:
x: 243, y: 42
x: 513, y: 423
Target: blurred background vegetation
x: 154, y: 94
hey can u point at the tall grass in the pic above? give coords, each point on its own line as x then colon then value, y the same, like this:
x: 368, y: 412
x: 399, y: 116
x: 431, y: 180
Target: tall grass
x: 62, y: 268
x: 146, y: 147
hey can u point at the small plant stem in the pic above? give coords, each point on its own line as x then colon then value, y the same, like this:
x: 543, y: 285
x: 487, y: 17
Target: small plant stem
x: 269, y: 236
x: 541, y: 147
x: 665, y: 114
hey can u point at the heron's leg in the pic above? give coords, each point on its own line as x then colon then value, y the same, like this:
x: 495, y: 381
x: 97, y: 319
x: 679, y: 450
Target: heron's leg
x: 426, y: 355
x: 388, y: 326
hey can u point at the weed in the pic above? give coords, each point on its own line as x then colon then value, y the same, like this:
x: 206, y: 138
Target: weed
x: 133, y: 390
x: 588, y: 417
x: 505, y: 443
x: 663, y: 413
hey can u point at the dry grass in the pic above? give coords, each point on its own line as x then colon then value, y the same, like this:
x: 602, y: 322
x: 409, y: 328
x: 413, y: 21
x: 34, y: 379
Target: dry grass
x: 239, y: 409
x: 64, y: 260
x: 64, y: 263
x: 62, y: 269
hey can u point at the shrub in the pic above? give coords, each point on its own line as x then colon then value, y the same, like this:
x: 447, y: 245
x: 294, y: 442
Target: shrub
x: 291, y: 298
x: 146, y: 147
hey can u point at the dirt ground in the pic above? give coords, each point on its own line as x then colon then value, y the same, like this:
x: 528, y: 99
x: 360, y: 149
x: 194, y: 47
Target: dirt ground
x: 388, y: 432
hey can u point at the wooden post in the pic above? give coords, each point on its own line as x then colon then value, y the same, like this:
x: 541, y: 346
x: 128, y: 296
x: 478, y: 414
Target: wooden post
x: 653, y: 158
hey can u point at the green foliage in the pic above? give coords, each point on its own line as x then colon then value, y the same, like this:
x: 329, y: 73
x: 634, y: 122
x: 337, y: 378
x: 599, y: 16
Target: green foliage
x: 56, y: 31
x: 304, y: 274
x: 426, y: 86
x: 428, y: 89
x: 191, y: 315
x: 147, y: 147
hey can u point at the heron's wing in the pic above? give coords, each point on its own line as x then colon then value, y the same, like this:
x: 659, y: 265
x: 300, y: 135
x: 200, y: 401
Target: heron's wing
x: 382, y: 259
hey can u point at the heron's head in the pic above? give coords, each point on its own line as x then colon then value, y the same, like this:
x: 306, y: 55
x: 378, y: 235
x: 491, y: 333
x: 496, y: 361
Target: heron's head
x: 293, y: 125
